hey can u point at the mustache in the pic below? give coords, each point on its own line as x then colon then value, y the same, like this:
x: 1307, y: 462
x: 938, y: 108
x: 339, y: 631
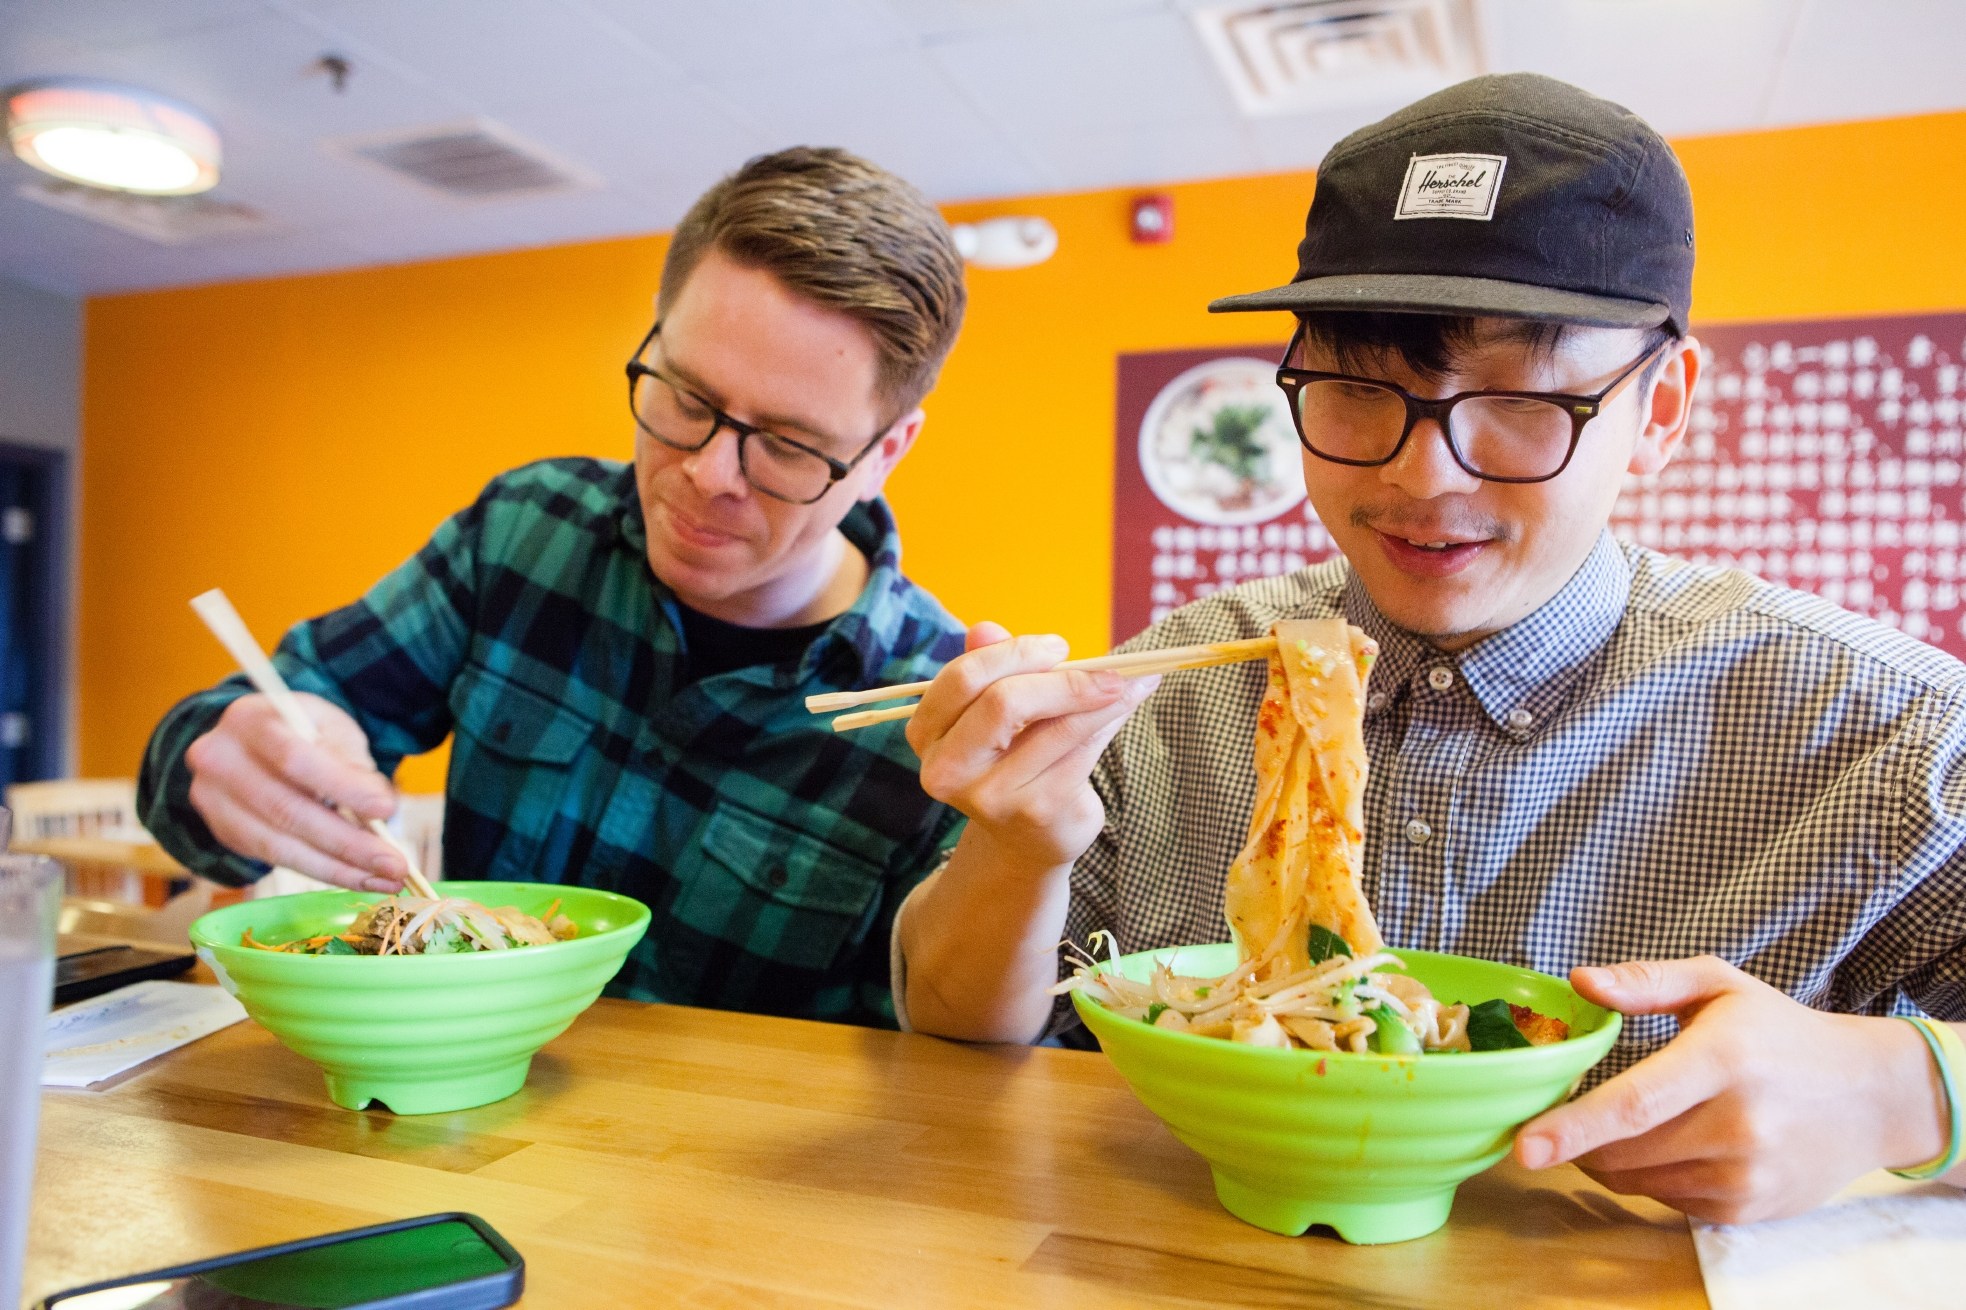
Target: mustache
x: 1459, y: 522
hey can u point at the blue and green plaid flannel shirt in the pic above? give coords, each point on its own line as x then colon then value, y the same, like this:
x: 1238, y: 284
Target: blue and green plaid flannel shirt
x: 771, y: 851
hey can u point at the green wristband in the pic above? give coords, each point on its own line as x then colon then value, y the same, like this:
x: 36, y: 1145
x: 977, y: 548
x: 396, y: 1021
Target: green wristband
x: 1951, y: 1057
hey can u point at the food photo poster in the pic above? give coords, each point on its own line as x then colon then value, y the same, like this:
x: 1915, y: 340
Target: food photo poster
x: 1824, y: 455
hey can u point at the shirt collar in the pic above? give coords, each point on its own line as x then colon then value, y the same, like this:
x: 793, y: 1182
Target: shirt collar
x: 861, y: 641
x: 1522, y: 674
x: 855, y: 648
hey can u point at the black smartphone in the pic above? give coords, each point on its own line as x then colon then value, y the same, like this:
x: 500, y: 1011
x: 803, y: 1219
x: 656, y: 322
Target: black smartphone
x: 83, y: 974
x: 449, y: 1261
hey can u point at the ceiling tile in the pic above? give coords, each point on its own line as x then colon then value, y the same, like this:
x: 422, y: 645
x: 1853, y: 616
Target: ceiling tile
x: 1141, y: 156
x: 509, y: 225
x: 1294, y: 141
x: 501, y: 54
x: 273, y: 255
x: 266, y: 67
x: 1864, y: 59
x: 69, y: 254
x: 118, y: 22
x: 967, y: 98
x: 750, y: 36
x: 935, y: 19
x: 1685, y: 66
x: 667, y: 134
x: 299, y: 185
x: 895, y: 109
x: 1088, y: 75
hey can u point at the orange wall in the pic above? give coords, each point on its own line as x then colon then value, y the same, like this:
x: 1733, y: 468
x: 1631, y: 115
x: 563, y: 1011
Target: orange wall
x: 290, y: 440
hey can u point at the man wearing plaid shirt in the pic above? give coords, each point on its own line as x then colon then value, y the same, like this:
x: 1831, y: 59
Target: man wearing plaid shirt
x: 622, y: 652
x: 1731, y: 811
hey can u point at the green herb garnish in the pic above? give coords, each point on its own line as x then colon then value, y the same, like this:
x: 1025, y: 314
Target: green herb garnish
x: 1492, y: 1028
x: 1326, y: 943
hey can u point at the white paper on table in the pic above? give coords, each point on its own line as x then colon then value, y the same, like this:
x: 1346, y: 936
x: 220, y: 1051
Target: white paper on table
x: 1882, y: 1241
x: 101, y: 1038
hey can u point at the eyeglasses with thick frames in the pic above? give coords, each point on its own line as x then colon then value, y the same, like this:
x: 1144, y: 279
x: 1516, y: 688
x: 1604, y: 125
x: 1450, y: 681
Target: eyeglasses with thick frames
x: 681, y: 419
x: 1497, y: 436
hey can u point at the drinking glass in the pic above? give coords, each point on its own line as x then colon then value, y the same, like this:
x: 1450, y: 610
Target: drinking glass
x: 30, y: 898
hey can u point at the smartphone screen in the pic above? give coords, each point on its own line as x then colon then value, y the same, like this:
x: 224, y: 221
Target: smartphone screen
x: 351, y: 1273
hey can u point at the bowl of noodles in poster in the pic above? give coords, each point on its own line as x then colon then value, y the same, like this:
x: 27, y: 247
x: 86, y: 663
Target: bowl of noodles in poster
x: 1326, y: 1078
x: 1217, y: 445
x: 423, y: 1006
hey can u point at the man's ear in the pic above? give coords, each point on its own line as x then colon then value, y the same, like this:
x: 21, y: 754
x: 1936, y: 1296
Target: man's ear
x: 894, y: 443
x: 1669, y: 408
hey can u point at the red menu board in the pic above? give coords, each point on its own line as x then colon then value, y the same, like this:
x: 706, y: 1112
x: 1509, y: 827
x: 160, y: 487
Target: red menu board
x: 1823, y: 455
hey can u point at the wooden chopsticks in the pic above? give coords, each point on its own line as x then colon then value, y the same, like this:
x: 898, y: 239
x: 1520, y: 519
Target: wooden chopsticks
x: 1134, y: 664
x: 224, y: 621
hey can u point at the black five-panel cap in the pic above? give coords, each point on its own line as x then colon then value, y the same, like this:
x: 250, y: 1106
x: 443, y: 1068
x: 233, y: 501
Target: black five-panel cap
x: 1514, y: 195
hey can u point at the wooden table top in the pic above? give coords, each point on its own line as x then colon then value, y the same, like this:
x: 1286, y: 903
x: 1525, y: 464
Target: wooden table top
x: 661, y: 1155
x: 142, y: 856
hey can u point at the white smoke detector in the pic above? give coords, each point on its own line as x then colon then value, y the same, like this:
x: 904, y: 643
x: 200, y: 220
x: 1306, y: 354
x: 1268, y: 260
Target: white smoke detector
x: 117, y: 138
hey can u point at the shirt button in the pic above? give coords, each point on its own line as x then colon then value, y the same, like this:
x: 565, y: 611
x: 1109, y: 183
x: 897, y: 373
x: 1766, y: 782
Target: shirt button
x: 1418, y: 831
x: 1520, y: 718
x: 1440, y: 679
x: 775, y: 876
x: 1376, y: 701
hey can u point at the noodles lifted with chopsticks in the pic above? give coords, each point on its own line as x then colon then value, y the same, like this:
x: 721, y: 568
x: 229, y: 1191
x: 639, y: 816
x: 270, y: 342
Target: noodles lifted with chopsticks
x: 1312, y: 968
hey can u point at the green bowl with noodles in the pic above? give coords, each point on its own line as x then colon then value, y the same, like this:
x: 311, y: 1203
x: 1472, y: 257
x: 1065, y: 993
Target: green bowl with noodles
x: 419, y: 1033
x: 1372, y: 1145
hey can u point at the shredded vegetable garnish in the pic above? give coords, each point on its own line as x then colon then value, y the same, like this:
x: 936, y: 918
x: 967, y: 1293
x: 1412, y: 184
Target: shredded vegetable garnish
x: 418, y: 925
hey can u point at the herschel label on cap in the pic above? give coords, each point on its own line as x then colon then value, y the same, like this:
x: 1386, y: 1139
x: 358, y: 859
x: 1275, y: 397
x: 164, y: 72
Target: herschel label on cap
x: 1451, y: 186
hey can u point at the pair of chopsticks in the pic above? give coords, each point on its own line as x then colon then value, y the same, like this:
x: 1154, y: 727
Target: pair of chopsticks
x: 1136, y: 664
x: 230, y: 629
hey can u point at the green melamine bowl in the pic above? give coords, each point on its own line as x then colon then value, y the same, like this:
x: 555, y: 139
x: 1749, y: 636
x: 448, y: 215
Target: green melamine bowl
x: 421, y: 1034
x: 1372, y: 1145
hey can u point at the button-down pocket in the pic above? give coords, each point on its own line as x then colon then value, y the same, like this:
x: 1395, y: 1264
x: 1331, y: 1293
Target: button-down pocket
x: 775, y: 891
x: 512, y: 763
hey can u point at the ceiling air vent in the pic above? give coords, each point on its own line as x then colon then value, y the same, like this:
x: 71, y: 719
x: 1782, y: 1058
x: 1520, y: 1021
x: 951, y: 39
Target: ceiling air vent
x: 468, y: 161
x: 1296, y: 55
x: 168, y: 220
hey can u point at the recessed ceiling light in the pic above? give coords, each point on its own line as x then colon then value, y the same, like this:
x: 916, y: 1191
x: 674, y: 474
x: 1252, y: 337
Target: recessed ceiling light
x: 120, y: 138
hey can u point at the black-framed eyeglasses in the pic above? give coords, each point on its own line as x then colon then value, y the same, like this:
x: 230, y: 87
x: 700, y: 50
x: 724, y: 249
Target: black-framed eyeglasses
x: 681, y: 419
x: 1497, y: 436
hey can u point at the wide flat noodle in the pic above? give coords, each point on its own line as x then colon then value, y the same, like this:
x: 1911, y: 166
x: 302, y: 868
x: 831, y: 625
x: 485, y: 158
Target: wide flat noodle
x: 1301, y: 862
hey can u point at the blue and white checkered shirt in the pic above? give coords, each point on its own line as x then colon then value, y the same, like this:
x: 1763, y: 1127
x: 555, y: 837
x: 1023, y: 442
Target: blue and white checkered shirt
x: 1664, y: 760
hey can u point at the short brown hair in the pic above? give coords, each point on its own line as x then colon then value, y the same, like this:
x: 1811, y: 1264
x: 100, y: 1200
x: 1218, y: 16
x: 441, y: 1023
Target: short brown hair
x: 844, y: 234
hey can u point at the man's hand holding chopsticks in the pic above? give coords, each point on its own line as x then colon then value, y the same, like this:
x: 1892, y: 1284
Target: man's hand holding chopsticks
x: 1010, y: 740
x: 268, y: 795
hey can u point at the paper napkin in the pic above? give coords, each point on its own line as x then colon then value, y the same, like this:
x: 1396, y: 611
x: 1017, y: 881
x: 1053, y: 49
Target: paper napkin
x: 1883, y: 1241
x: 101, y: 1038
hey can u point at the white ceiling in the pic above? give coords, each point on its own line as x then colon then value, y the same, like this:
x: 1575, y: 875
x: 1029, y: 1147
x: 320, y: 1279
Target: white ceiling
x: 968, y: 98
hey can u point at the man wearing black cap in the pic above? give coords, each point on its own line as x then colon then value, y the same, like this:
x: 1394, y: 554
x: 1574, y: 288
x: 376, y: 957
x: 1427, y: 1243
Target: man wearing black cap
x: 1734, y: 811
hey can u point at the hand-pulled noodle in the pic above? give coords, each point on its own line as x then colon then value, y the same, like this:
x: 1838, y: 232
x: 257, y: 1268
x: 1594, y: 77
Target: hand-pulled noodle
x: 1312, y: 969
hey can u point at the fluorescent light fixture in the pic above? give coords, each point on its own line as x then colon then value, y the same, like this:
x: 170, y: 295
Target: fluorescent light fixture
x: 119, y: 138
